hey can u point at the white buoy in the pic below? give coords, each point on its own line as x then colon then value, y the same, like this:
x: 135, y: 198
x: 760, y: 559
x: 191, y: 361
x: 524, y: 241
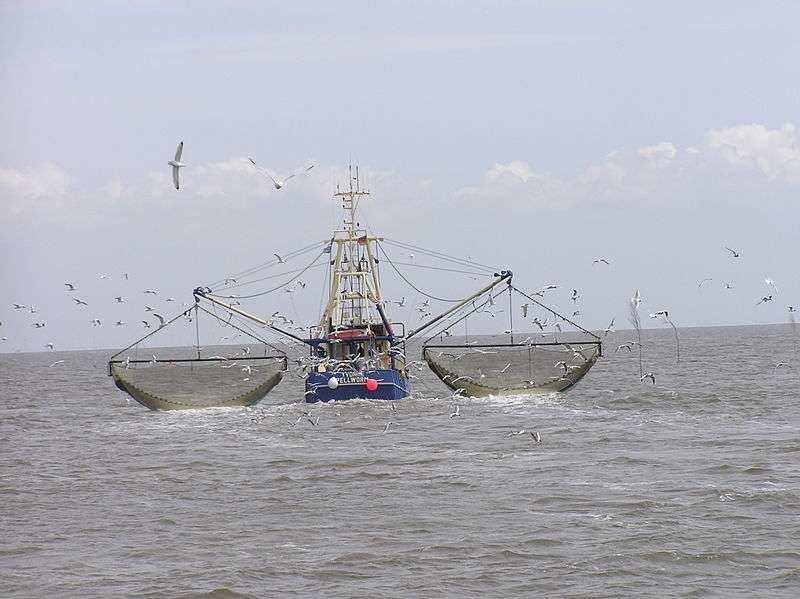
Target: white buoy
x: 333, y: 382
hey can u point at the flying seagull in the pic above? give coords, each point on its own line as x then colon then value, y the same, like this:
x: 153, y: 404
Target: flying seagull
x: 79, y: 302
x: 764, y: 300
x: 650, y: 376
x: 603, y: 260
x: 280, y: 259
x: 70, y: 286
x: 734, y: 253
x: 636, y: 300
x: 177, y: 165
x: 609, y: 328
x: 160, y: 319
x: 278, y: 181
x: 770, y: 283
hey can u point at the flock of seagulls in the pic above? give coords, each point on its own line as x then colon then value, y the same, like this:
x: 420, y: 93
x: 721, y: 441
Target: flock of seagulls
x: 71, y: 289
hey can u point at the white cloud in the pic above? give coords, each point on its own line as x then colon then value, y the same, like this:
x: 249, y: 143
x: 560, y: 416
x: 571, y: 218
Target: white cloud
x: 661, y: 151
x: 43, y: 186
x: 649, y: 172
x: 516, y: 168
x: 775, y: 152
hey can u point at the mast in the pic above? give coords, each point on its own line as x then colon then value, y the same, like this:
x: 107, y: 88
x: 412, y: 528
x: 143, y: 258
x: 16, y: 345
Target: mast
x: 355, y: 278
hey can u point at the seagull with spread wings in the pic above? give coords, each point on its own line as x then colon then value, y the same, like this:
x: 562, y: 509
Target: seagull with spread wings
x: 176, y: 165
x: 277, y: 180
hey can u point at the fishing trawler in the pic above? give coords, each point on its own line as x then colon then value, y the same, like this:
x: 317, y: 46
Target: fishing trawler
x: 355, y: 350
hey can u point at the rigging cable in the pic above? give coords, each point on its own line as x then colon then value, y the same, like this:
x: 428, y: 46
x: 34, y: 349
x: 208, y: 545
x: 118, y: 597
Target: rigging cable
x: 402, y: 276
x: 441, y: 255
x: 292, y: 280
x: 273, y: 262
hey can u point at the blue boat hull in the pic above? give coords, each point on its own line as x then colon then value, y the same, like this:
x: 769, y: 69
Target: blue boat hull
x: 392, y: 385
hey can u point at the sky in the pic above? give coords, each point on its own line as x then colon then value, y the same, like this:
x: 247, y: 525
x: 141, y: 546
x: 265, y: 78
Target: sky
x: 533, y: 136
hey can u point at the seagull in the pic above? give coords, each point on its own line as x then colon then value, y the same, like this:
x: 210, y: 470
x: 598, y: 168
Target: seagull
x: 727, y: 285
x: 177, y: 165
x: 96, y: 322
x: 506, y: 367
x: 56, y: 362
x: 706, y: 280
x: 636, y: 300
x: 280, y: 259
x: 791, y: 308
x: 386, y: 428
x: 770, y: 283
x: 277, y: 181
x: 782, y: 364
x: 734, y: 253
x: 104, y: 276
x: 537, y: 438
x: 627, y: 346
x: 119, y: 299
x: 79, y: 302
x: 603, y: 260
x: 516, y: 433
x: 170, y: 299
x: 39, y: 325
x: 50, y: 345
x: 146, y: 324
x: 70, y: 286
x: 765, y: 299
x: 609, y: 328
x: 664, y: 313
x: 148, y: 309
x: 575, y: 295
x: 119, y: 323
x: 19, y: 306
x: 150, y: 291
x: 33, y: 310
x: 457, y: 412
x: 650, y: 376
x: 525, y: 310
x: 160, y: 319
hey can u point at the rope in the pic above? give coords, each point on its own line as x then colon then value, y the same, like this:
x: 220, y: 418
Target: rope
x: 410, y: 284
x: 282, y: 285
x: 441, y: 268
x: 441, y: 255
x: 452, y: 323
x: 273, y: 262
x: 266, y: 278
x: 249, y: 333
